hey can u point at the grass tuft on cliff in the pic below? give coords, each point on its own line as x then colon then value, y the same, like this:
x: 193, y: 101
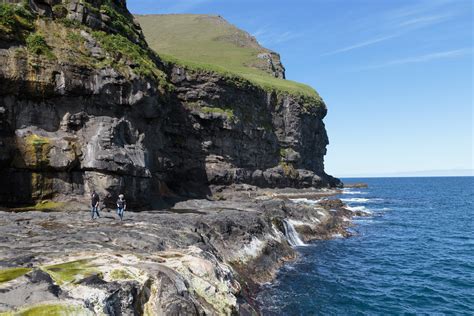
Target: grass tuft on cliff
x: 36, y: 44
x: 14, y: 20
x: 209, y: 43
x: 124, y: 53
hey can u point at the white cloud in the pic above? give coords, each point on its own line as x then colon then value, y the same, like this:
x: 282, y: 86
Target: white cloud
x: 420, y: 59
x: 400, y: 22
x: 267, y: 37
x: 422, y: 21
x: 360, y: 44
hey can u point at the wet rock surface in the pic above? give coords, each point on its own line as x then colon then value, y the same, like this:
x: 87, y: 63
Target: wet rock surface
x: 199, y: 256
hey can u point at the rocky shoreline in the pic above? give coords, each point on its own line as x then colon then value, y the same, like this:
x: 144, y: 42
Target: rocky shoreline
x: 86, y: 105
x: 198, y: 257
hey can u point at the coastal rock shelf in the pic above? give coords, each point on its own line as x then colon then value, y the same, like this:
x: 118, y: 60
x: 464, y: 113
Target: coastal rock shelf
x: 199, y: 256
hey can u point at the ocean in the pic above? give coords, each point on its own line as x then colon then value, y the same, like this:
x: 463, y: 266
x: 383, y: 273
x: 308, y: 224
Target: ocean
x: 413, y: 255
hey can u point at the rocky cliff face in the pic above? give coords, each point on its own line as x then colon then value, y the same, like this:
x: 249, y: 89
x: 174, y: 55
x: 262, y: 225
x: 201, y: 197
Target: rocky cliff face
x: 85, y: 104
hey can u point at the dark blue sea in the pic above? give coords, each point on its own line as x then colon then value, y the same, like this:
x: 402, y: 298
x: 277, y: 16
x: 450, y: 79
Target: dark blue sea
x: 413, y: 255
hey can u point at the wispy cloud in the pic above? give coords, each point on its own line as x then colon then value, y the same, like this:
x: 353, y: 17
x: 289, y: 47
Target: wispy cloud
x: 360, y: 44
x: 267, y: 37
x: 421, y: 59
x: 424, y: 20
x: 400, y: 22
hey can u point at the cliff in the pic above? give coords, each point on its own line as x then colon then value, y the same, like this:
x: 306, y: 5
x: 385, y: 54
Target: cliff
x: 85, y: 104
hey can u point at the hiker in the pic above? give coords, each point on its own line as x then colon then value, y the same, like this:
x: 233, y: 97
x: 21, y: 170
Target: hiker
x: 121, y: 206
x: 95, y: 204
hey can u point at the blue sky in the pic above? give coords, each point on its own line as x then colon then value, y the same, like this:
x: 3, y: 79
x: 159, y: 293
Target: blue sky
x: 395, y: 75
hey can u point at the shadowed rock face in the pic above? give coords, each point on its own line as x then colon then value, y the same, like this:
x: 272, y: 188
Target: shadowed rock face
x: 71, y: 123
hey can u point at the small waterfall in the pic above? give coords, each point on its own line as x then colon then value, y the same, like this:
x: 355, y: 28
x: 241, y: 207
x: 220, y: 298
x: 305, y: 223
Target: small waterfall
x: 291, y: 234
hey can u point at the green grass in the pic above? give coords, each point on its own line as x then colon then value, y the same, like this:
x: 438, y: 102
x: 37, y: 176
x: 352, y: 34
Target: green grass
x: 70, y: 272
x: 226, y: 111
x: 36, y: 44
x: 121, y: 21
x: 122, y: 51
x: 12, y: 273
x: 15, y: 21
x: 209, y: 43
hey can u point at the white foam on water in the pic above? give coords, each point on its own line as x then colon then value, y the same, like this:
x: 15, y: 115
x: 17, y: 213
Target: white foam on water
x: 359, y: 208
x: 304, y: 201
x: 346, y: 191
x: 383, y: 209
x: 362, y: 220
x: 337, y: 235
x: 292, y: 235
x: 360, y: 200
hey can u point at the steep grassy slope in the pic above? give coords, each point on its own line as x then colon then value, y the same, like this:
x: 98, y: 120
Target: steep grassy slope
x: 211, y: 43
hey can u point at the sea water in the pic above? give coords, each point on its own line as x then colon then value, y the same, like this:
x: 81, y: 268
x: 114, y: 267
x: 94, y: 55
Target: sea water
x: 413, y: 255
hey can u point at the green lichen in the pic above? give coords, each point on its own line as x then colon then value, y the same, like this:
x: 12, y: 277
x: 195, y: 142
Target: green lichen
x: 50, y: 310
x: 48, y: 205
x: 71, y: 272
x: 12, y: 273
x: 37, y: 150
x: 226, y: 111
x: 119, y: 274
x: 217, y: 298
x: 289, y: 170
x: 43, y: 206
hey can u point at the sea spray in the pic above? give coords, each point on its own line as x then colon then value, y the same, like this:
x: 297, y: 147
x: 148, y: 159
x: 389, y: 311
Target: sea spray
x: 291, y: 234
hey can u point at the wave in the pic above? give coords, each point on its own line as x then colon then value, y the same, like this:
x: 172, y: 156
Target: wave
x: 360, y: 200
x: 345, y: 191
x: 359, y: 208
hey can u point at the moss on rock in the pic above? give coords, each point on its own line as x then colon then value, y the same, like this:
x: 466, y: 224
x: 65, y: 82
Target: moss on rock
x: 120, y: 274
x: 225, y: 111
x: 16, y: 20
x: 50, y: 310
x: 12, y: 273
x: 70, y: 272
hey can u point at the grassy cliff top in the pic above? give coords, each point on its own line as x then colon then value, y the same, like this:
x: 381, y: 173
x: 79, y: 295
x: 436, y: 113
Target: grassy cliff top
x: 211, y: 43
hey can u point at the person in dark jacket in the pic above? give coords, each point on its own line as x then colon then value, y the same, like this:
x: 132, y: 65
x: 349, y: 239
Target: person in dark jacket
x: 95, y: 204
x: 121, y: 206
